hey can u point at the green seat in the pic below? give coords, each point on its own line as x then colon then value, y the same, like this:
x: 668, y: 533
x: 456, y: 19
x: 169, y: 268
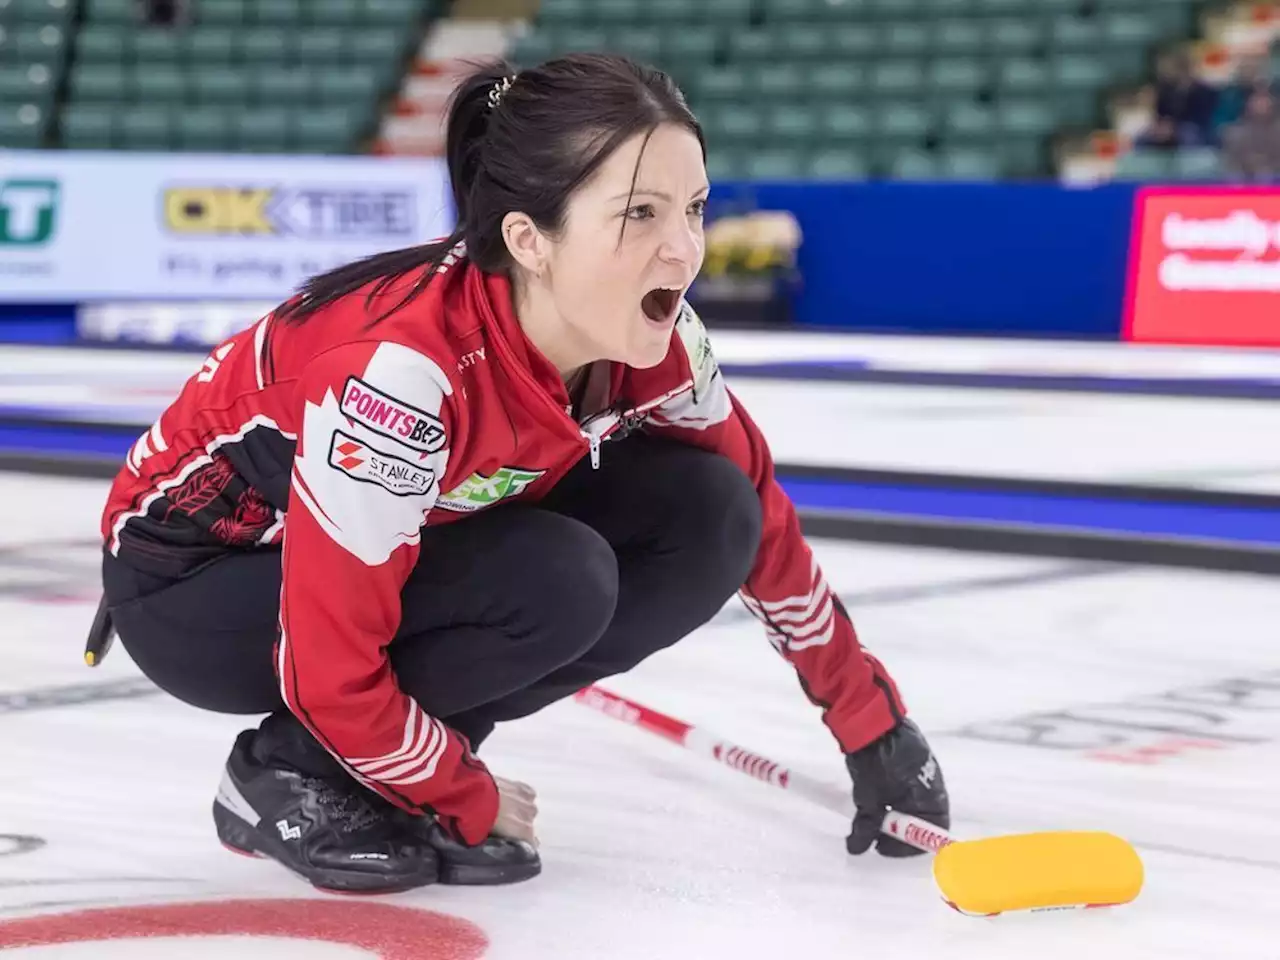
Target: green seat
x: 533, y: 48
x: 792, y: 124
x: 324, y: 130
x: 88, y: 126
x: 1079, y: 72
x: 319, y: 47
x: 220, y: 85
x: 774, y: 164
x: 336, y: 13
x: 959, y: 37
x: 960, y: 77
x: 211, y: 45
x: 1198, y: 164
x: 265, y: 44
x: 723, y: 164
x: 729, y: 12
x: 802, y: 41
x: 222, y: 13
x: 837, y: 80
x: 913, y: 164
x: 22, y: 125
x: 845, y: 123
x: 732, y: 124
x: 401, y: 14
x: 99, y: 81
x: 1023, y: 76
x: 721, y: 83
x: 670, y: 11
x: 894, y: 9
x: 27, y: 84
x: 1072, y: 34
x: 754, y: 45
x: 581, y: 39
x: 124, y: 12
x: 565, y: 11
x: 904, y: 121
x: 349, y: 85
x: 940, y: 9
x: 1131, y: 30
x: 640, y: 43
x: 284, y: 86
x: 813, y: 11
x: 56, y: 12
x: 205, y: 129
x: 855, y: 40
x: 1144, y: 165
x: 276, y: 13
x: 1007, y: 8
x: 970, y: 164
x: 838, y: 165
x: 261, y: 131
x: 1021, y: 37
x: 158, y: 45
x: 1024, y: 157
x: 612, y: 13
x: 1026, y: 118
x: 780, y: 81
x: 46, y: 44
x: 145, y: 127
x: 161, y: 83
x: 969, y: 123
x: 691, y: 45
x: 906, y: 39
x: 894, y: 78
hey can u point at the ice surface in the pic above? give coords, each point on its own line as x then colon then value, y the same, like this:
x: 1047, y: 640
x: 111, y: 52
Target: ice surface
x: 651, y: 852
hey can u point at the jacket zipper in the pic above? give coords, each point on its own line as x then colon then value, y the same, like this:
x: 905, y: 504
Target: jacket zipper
x: 592, y: 441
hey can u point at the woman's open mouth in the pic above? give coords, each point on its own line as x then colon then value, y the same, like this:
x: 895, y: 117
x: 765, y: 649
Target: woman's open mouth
x: 661, y: 303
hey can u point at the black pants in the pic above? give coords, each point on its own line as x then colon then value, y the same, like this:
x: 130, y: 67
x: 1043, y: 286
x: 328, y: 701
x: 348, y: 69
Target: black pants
x: 507, y: 611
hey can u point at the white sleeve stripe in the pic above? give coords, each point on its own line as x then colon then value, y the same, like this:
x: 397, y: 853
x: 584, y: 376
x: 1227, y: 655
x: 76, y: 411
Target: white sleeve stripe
x: 434, y: 743
x: 792, y: 612
x: 433, y: 760
x: 407, y: 744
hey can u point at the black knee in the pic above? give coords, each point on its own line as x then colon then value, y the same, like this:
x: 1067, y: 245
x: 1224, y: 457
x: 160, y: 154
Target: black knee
x: 571, y: 589
x: 722, y: 521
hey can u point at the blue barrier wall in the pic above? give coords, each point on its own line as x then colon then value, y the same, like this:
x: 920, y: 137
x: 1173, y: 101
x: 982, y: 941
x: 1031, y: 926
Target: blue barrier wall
x: 993, y: 259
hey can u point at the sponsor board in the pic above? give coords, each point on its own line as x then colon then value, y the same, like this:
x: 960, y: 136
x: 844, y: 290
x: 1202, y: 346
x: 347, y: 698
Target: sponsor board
x: 1205, y: 267
x: 86, y: 226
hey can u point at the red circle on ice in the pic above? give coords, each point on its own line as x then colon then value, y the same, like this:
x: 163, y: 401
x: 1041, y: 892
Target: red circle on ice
x: 388, y: 932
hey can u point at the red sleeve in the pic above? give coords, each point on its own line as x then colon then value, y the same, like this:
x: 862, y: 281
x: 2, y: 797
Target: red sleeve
x: 373, y: 442
x: 785, y: 590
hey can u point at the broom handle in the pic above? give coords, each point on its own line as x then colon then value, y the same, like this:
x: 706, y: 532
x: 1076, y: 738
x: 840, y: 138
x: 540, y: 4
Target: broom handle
x: 902, y: 826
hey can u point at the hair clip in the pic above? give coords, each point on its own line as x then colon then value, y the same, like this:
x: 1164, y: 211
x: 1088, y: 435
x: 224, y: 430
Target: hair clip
x: 499, y: 89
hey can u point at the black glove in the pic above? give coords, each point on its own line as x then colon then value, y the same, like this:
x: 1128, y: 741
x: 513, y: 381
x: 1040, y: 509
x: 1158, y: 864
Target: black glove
x: 897, y: 771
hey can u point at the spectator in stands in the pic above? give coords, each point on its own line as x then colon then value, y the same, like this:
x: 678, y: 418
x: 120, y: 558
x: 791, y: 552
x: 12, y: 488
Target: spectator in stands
x: 1184, y: 107
x: 1252, y: 74
x: 1251, y: 147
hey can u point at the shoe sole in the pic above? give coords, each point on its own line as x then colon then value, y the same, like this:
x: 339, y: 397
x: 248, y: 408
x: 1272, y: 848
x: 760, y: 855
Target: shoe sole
x: 464, y: 875
x: 241, y: 838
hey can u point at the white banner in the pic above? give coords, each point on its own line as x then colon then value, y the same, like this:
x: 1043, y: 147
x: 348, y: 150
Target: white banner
x: 80, y: 226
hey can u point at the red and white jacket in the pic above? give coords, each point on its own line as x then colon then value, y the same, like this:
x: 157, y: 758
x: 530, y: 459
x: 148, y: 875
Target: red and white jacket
x: 341, y: 439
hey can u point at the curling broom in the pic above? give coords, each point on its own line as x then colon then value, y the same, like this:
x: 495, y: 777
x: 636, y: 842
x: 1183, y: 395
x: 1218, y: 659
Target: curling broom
x: 1049, y: 870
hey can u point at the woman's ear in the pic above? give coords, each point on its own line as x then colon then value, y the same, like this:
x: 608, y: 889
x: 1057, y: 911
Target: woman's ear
x: 524, y: 241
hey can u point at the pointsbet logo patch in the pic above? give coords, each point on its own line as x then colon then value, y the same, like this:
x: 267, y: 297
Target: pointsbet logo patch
x: 274, y: 211
x: 28, y: 212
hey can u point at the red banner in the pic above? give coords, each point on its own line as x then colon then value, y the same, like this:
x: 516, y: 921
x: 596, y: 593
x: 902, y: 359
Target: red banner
x: 1204, y: 267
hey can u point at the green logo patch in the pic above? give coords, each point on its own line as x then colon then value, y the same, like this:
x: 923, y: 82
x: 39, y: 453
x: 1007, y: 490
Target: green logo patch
x: 478, y: 491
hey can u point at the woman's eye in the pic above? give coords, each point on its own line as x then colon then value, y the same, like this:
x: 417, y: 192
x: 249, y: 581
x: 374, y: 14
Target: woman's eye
x: 643, y: 211
x: 698, y: 208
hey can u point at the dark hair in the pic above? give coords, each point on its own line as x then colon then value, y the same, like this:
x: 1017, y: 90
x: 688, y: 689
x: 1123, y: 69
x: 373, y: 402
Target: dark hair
x: 518, y: 141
